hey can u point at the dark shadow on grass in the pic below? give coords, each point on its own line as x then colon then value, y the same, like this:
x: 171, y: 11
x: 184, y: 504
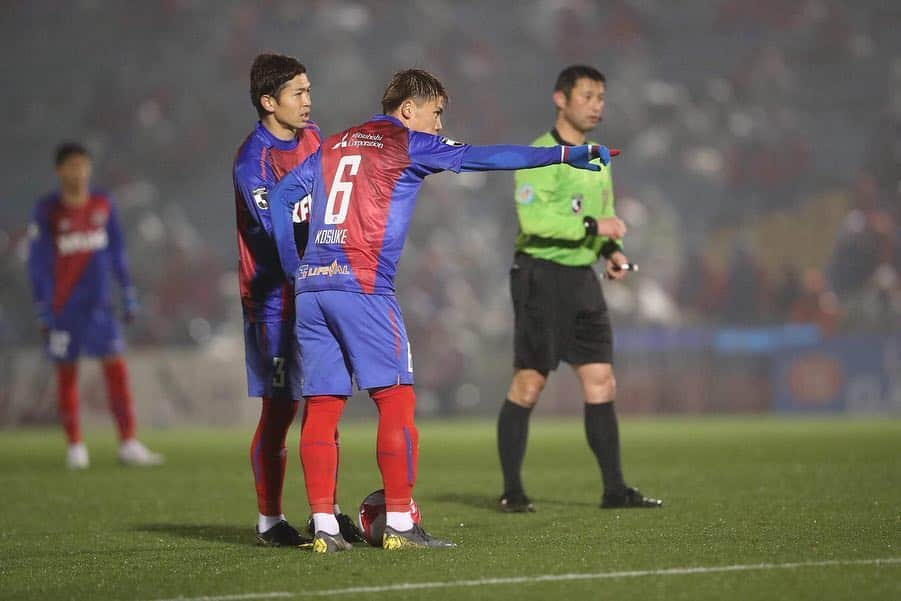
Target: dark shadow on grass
x: 475, y: 501
x: 490, y: 503
x: 232, y: 535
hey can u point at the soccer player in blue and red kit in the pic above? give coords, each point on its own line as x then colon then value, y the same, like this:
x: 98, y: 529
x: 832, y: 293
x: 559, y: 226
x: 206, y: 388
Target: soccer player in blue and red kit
x: 283, y: 137
x: 364, y: 181
x: 76, y: 250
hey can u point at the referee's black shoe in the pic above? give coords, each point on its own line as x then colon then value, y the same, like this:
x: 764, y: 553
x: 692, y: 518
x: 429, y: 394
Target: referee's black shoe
x: 628, y: 499
x: 282, y: 535
x: 515, y: 503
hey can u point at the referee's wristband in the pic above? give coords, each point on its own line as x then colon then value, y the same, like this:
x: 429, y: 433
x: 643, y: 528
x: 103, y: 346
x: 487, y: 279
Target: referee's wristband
x: 591, y: 226
x: 609, y: 247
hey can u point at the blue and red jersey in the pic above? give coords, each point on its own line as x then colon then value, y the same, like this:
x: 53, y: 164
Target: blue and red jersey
x: 364, y: 181
x: 73, y: 255
x: 262, y: 160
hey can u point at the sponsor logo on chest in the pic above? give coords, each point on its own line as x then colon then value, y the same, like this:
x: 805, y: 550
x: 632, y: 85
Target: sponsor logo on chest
x: 360, y: 138
x: 81, y: 242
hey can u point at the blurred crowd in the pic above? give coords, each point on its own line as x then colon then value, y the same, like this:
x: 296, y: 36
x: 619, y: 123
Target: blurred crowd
x: 760, y: 177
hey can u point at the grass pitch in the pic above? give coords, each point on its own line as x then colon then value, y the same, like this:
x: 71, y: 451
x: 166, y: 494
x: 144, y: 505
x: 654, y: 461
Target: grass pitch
x: 737, y: 491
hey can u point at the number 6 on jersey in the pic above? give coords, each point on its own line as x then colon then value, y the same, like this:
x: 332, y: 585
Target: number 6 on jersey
x: 344, y: 188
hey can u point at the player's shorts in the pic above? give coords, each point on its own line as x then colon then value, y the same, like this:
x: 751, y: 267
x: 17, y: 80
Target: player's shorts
x: 559, y: 315
x: 94, y: 332
x: 272, y: 359
x: 348, y: 334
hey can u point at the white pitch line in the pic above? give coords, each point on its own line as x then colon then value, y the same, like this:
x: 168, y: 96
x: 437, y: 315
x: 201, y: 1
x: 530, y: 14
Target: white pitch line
x: 238, y: 597
x: 411, y: 586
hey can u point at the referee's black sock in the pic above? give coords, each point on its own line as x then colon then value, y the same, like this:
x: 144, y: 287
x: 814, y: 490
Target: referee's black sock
x: 602, y: 432
x: 512, y: 436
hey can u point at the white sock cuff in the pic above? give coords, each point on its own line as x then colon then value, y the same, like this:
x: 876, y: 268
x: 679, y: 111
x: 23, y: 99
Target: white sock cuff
x: 399, y: 520
x: 325, y: 522
x: 265, y: 522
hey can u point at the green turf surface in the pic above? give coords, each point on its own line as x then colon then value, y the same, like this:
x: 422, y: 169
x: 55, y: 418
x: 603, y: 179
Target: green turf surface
x: 737, y: 492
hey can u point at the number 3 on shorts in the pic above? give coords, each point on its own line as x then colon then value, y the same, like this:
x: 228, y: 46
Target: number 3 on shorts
x: 278, y: 376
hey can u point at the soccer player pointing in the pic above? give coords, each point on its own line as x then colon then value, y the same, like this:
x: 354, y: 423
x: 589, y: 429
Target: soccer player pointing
x: 364, y: 181
x: 567, y: 222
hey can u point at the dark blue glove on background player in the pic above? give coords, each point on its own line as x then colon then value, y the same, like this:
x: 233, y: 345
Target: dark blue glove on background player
x: 581, y: 156
x: 130, y: 304
x: 45, y: 319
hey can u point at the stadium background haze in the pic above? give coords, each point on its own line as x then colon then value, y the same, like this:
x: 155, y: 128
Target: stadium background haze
x: 760, y: 180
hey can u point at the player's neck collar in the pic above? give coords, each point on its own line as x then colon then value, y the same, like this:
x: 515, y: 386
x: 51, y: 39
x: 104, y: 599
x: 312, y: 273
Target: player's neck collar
x: 381, y: 117
x: 276, y: 142
x: 559, y: 139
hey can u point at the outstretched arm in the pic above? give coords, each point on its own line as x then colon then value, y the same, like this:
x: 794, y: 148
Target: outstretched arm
x: 433, y: 154
x: 504, y: 157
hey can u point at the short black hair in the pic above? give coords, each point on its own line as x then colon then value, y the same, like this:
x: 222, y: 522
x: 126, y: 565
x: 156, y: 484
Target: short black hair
x: 411, y: 83
x: 69, y: 149
x: 567, y: 79
x: 268, y: 76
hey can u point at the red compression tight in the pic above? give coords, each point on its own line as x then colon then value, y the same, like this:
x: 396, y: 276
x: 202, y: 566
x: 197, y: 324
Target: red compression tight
x: 268, y: 455
x: 397, y: 445
x: 119, y: 396
x: 67, y: 400
x: 319, y: 450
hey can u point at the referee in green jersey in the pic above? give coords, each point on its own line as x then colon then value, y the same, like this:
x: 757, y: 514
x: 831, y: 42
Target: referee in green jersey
x: 567, y: 221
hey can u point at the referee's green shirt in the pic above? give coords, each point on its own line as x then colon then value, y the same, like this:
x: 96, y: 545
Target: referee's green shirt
x: 551, y: 203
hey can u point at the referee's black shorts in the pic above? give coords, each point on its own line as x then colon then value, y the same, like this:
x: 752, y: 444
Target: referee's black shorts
x: 560, y: 315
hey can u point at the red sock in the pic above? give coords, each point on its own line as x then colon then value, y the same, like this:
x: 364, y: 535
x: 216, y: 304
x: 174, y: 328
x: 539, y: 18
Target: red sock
x: 268, y: 456
x: 67, y: 400
x: 119, y: 396
x: 319, y: 451
x: 397, y: 445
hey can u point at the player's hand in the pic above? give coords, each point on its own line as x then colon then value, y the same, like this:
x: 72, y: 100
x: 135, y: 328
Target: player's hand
x: 581, y: 156
x: 130, y: 305
x: 603, y: 153
x: 613, y: 262
x: 45, y: 322
x: 612, y: 227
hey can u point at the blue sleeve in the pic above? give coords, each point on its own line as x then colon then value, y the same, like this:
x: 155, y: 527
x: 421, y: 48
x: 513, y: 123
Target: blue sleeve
x: 254, y: 190
x: 503, y: 157
x: 435, y: 154
x: 40, y: 263
x: 117, y: 250
x: 295, y: 185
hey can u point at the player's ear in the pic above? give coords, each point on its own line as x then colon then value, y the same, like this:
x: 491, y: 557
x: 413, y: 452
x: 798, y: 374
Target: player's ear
x: 407, y: 108
x: 268, y: 102
x: 559, y: 99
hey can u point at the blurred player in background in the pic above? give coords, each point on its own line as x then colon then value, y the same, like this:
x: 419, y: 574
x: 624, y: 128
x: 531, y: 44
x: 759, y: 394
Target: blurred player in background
x: 567, y: 221
x: 364, y: 181
x: 76, y: 249
x: 283, y: 137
